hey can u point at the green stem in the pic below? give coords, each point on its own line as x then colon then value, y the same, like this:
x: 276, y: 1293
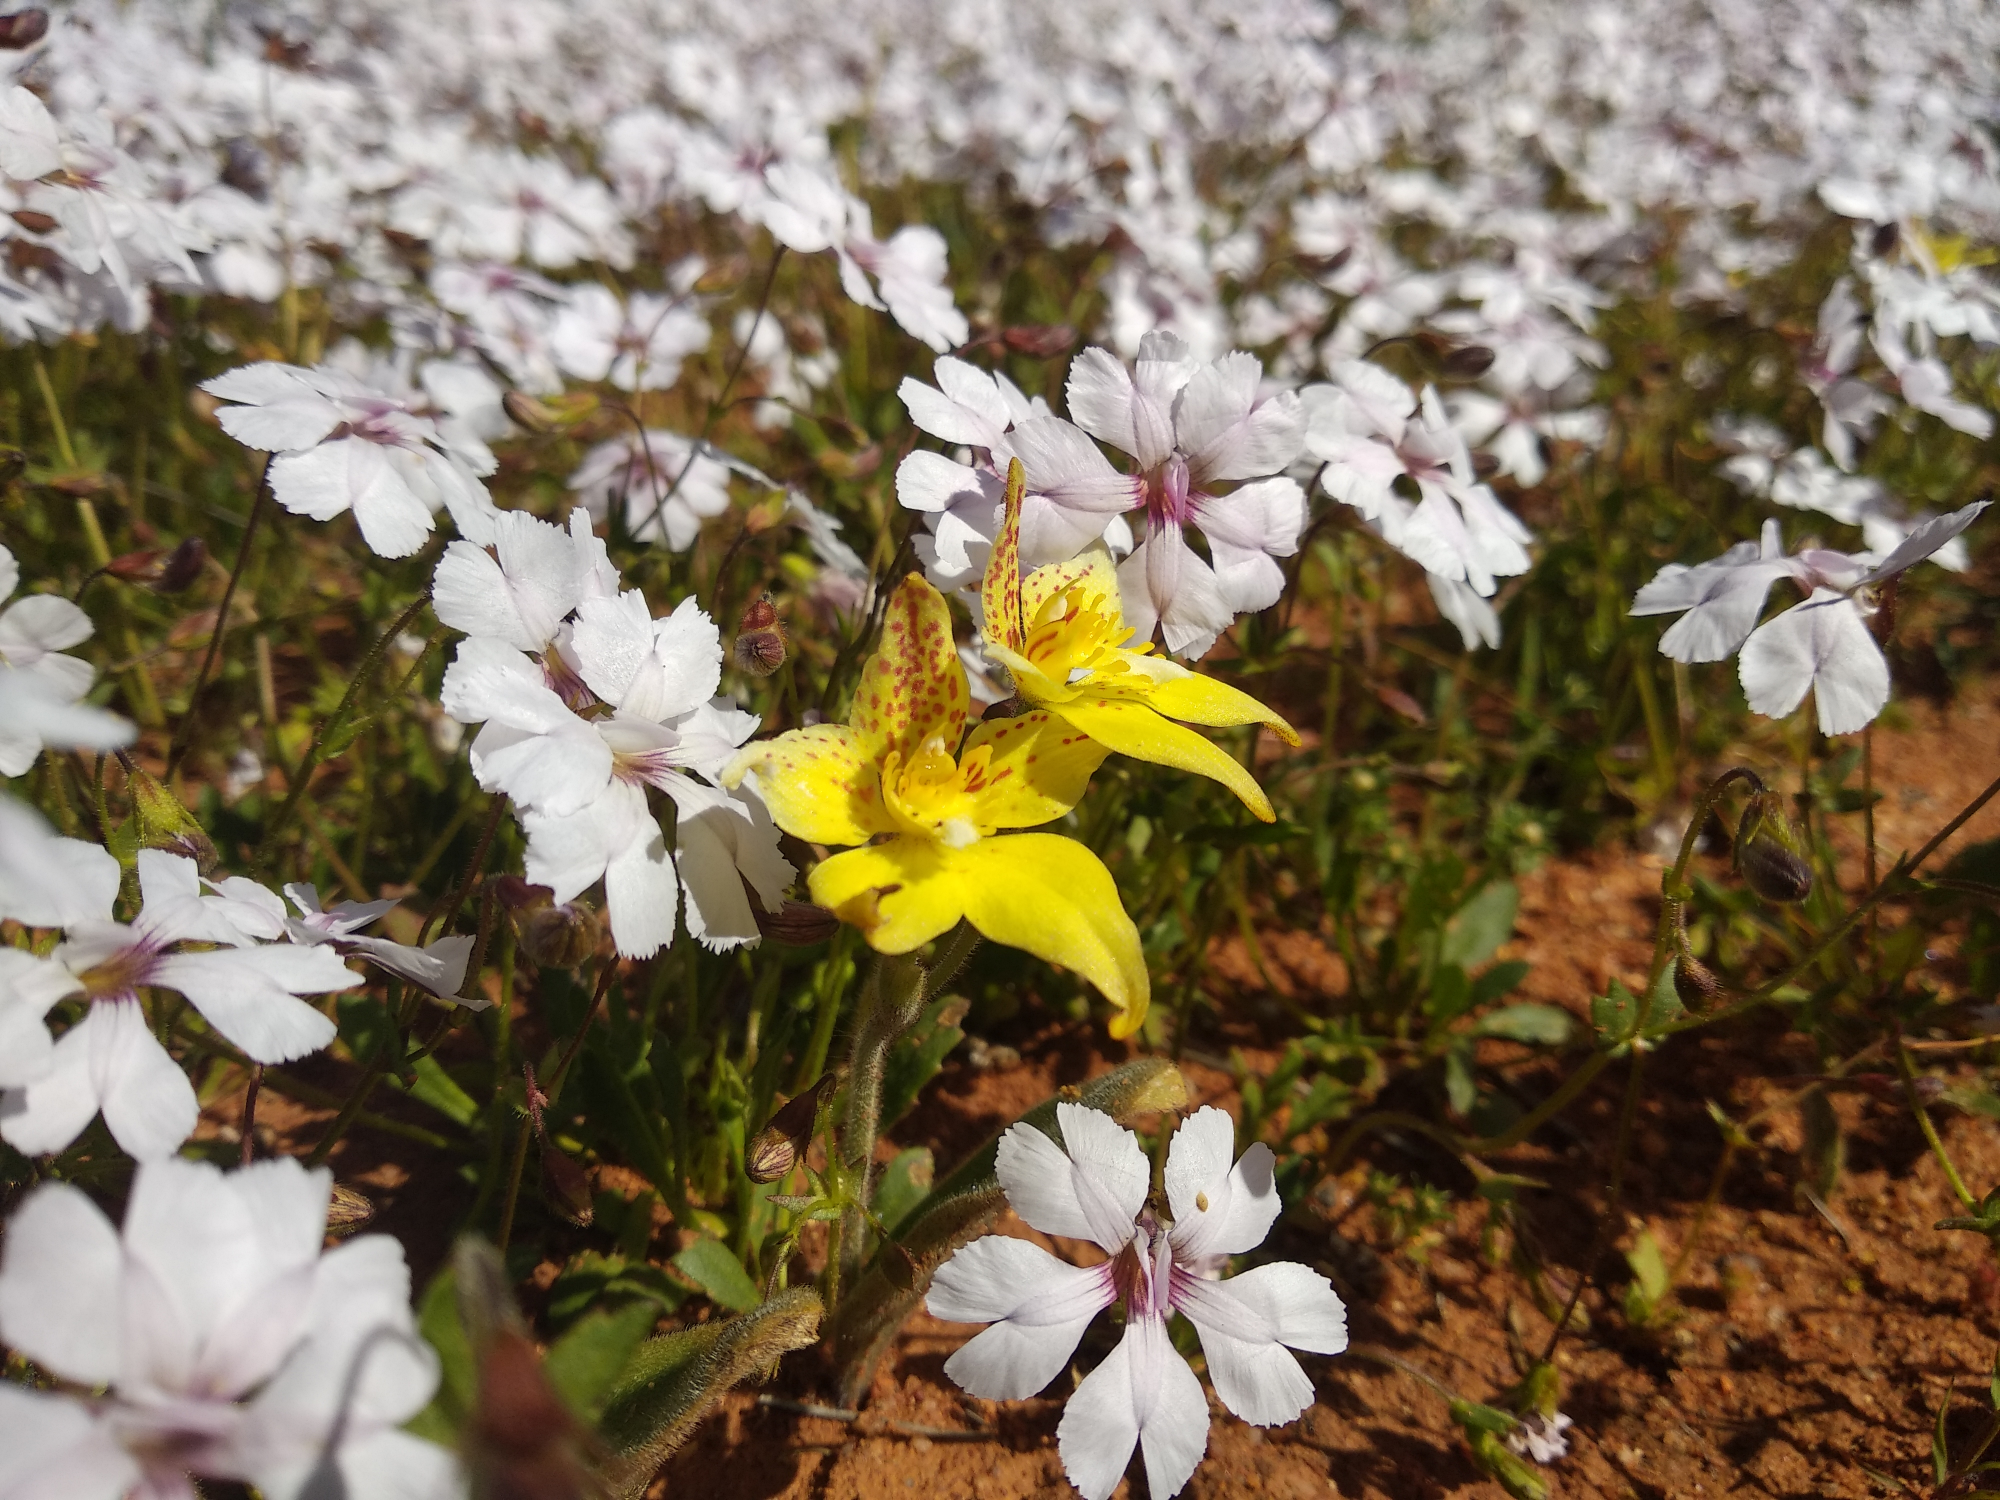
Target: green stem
x: 364, y: 672
x: 54, y: 409
x: 514, y: 1173
x: 178, y: 747
x: 1909, y: 1075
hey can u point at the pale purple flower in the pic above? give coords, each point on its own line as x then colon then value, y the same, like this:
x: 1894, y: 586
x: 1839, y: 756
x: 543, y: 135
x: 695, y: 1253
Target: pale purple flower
x: 41, y: 688
x: 580, y: 783
x: 341, y: 445
x: 1371, y: 431
x: 1822, y: 645
x: 1851, y: 404
x: 1541, y: 1437
x: 110, y: 1061
x: 226, y: 1344
x: 1192, y: 429
x: 637, y: 344
x: 1094, y: 1187
x: 438, y: 966
x: 664, y: 490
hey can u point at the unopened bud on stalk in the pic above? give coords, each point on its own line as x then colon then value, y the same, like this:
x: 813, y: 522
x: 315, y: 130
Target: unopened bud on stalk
x: 797, y: 924
x: 760, y: 639
x: 1467, y: 362
x: 566, y: 1187
x: 1770, y: 856
x: 1039, y: 340
x: 775, y: 1149
x: 24, y: 28
x: 34, y: 220
x: 552, y: 936
x: 1696, y: 983
x: 163, y: 822
x: 524, y: 410
x: 347, y: 1211
x: 162, y: 572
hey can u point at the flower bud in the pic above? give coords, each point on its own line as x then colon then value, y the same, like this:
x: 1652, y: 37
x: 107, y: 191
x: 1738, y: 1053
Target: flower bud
x: 1696, y: 984
x: 1467, y: 362
x: 22, y: 29
x: 566, y: 1187
x: 1039, y: 340
x: 760, y: 639
x: 162, y: 572
x: 553, y: 937
x: 1770, y: 856
x: 775, y: 1149
x: 34, y: 220
x: 525, y: 411
x: 797, y: 924
x: 163, y: 822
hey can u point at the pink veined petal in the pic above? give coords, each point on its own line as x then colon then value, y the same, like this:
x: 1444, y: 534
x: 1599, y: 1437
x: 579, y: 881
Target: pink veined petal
x: 1102, y: 402
x: 54, y: 1448
x: 1037, y: 1305
x: 250, y: 995
x: 60, y: 1272
x: 1091, y: 1187
x: 1181, y: 588
x: 1144, y: 1394
x: 1061, y: 463
x: 1245, y: 1324
x: 1219, y: 1207
x: 1822, y: 644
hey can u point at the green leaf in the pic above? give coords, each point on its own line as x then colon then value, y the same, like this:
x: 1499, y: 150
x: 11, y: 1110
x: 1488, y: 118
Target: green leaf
x: 440, y: 1091
x: 674, y: 1380
x: 344, y: 734
x: 710, y: 1266
x: 1474, y: 1417
x: 1940, y: 1451
x: 1615, y: 1015
x: 1451, y: 994
x: 1650, y: 1281
x: 1459, y: 1085
x: 1481, y: 926
x: 1537, y: 1025
x: 1732, y: 1133
x: 583, y: 1364
x: 917, y: 1055
x: 458, y: 1376
x: 902, y: 1185
x: 593, y: 1280
x: 1497, y: 981
x: 1823, y: 1152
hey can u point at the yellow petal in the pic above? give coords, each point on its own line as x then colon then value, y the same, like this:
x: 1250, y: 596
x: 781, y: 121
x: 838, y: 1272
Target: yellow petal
x: 913, y: 686
x: 1194, y: 699
x: 901, y: 894
x: 1030, y: 681
x: 1133, y: 729
x: 1054, y: 898
x: 1092, y: 570
x: 1000, y: 591
x: 1038, y: 770
x: 819, y: 784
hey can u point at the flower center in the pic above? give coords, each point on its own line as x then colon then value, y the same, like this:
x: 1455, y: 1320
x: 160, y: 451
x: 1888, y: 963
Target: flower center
x: 1075, y: 636
x: 120, y: 974
x: 934, y: 795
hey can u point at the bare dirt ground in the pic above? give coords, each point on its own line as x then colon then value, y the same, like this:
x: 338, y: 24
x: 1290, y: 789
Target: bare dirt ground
x: 1808, y: 1353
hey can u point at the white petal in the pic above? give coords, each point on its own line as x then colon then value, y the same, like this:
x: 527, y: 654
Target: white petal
x: 148, y: 1103
x: 1059, y: 461
x: 1245, y: 1324
x: 1143, y: 1393
x: 51, y: 1112
x: 1100, y: 394
x: 1925, y: 540
x: 642, y: 894
x: 1038, y: 1306
x: 60, y: 1273
x: 249, y: 995
x: 30, y: 142
x: 929, y: 481
x: 54, y: 1448
x: 1459, y: 603
x: 1091, y: 1187
x: 1823, y: 644
x: 1218, y: 1208
x: 41, y: 623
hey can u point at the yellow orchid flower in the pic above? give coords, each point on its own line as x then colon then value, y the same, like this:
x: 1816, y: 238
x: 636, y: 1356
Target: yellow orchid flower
x: 895, y: 779
x: 1061, y: 633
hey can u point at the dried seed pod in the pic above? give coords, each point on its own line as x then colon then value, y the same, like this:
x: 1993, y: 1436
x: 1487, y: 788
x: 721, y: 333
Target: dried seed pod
x: 181, y: 567
x: 553, y: 937
x: 797, y: 924
x: 347, y: 1211
x: 1039, y: 340
x: 760, y: 639
x: 1770, y: 855
x: 34, y: 220
x: 22, y: 29
x: 775, y: 1149
x: 566, y: 1187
